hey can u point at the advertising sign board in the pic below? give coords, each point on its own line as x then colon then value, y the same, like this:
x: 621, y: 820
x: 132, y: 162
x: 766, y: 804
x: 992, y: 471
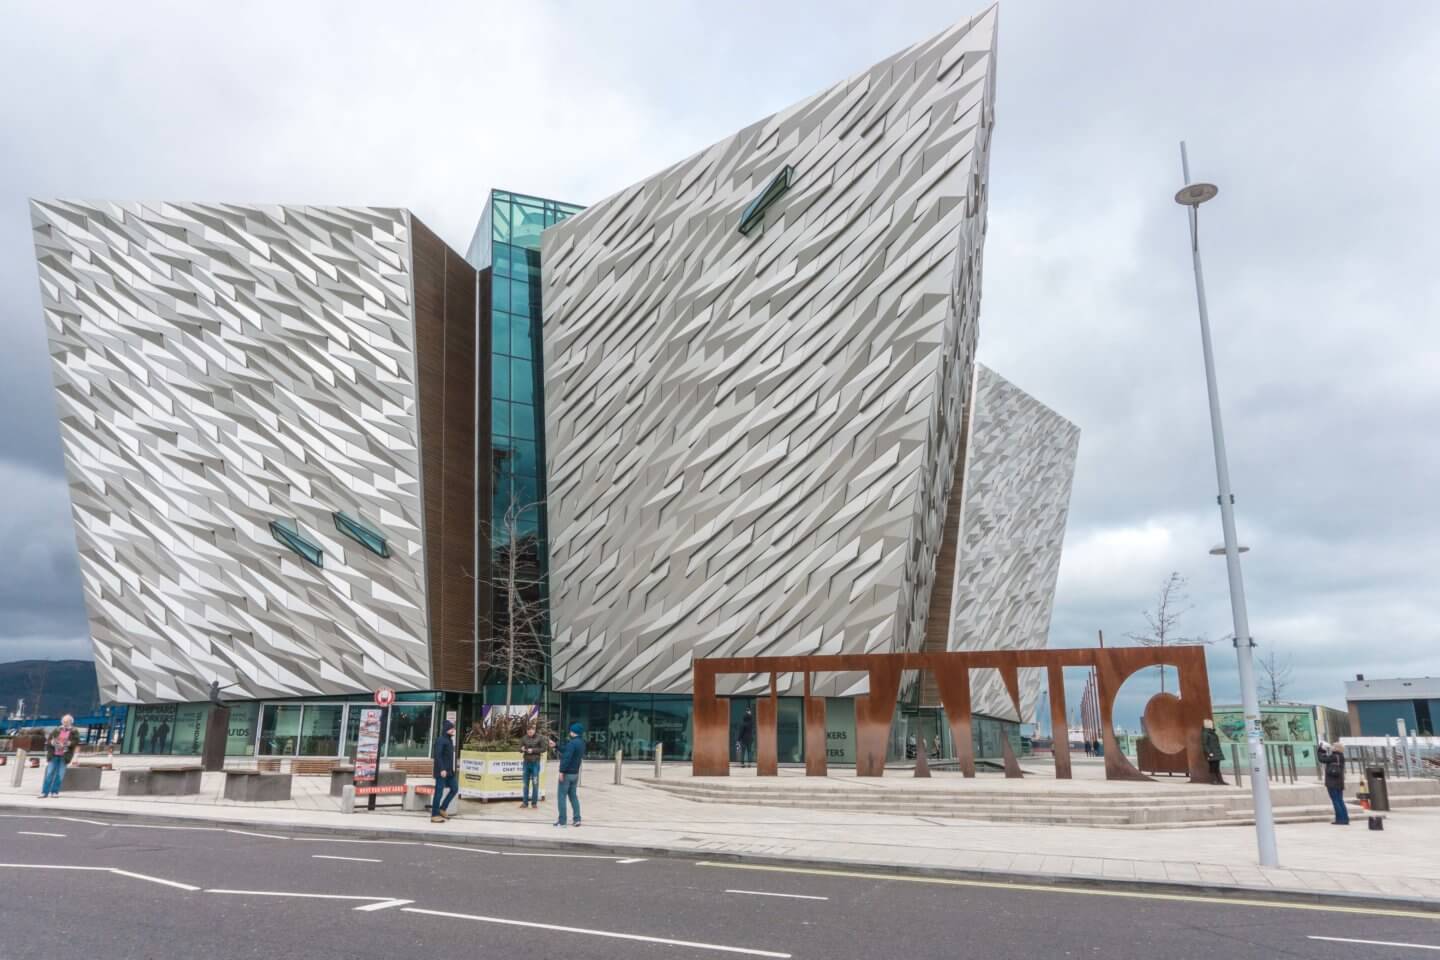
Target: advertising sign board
x: 367, y: 747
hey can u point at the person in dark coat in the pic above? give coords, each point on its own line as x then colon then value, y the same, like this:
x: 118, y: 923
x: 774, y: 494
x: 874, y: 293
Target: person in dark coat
x: 568, y: 784
x: 446, y: 778
x: 746, y: 741
x: 1334, y: 761
x: 1210, y: 746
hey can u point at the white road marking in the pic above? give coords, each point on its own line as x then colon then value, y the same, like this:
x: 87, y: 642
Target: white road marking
x: 766, y: 893
x: 563, y: 856
x: 263, y: 836
x: 1378, y: 943
x: 111, y: 870
x: 307, y: 896
x: 42, y: 816
x: 383, y: 905
x: 37, y: 833
x: 632, y: 860
x: 451, y: 846
x: 506, y: 921
x: 323, y: 856
x: 140, y: 876
x: 167, y: 826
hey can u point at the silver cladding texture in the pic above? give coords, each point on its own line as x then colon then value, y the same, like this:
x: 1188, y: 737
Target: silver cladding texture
x: 218, y: 367
x: 1016, y: 498
x: 750, y: 439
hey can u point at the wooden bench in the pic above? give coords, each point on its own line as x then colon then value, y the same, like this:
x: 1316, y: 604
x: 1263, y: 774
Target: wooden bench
x: 252, y: 786
x: 311, y: 767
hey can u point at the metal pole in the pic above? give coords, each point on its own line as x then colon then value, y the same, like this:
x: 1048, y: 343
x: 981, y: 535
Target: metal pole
x: 1244, y: 644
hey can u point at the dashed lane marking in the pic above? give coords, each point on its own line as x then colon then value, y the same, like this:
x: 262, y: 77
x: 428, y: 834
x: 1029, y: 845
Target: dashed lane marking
x: 767, y: 893
x: 38, y: 833
x: 322, y: 856
x: 611, y: 934
x: 1082, y: 891
x: 1377, y: 943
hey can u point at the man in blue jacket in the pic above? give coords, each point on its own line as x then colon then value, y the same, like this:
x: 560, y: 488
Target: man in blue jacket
x: 570, y: 758
x: 446, y: 779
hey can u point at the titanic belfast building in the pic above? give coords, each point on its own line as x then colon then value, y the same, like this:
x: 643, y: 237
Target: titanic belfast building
x: 731, y: 410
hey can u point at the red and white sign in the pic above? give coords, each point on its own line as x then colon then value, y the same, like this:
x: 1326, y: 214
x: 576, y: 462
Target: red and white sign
x: 384, y: 697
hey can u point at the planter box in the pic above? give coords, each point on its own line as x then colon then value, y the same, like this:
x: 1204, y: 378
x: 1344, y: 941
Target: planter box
x: 496, y: 776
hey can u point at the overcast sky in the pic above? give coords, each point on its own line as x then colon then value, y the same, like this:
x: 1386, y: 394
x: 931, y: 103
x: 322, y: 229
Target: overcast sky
x: 1321, y: 252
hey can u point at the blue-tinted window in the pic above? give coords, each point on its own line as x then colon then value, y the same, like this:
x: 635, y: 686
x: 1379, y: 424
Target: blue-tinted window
x: 522, y: 421
x: 500, y: 418
x: 522, y: 386
x: 773, y: 191
x: 500, y: 332
x: 499, y: 293
x: 287, y: 532
x: 501, y: 222
x: 501, y: 264
x: 362, y: 533
x: 500, y: 385
x: 519, y: 336
x: 519, y: 296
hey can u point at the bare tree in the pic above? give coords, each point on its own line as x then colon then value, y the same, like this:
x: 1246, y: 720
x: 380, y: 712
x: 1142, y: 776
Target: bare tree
x: 1164, y: 620
x: 512, y: 642
x: 1275, y: 677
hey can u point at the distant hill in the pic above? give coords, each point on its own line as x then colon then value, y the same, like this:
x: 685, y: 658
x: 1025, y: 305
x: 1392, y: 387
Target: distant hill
x: 54, y: 686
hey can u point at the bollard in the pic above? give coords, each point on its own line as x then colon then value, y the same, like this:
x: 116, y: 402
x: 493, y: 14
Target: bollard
x: 19, y: 771
x: 659, y: 754
x: 1235, y: 764
x: 347, y: 798
x: 619, y: 769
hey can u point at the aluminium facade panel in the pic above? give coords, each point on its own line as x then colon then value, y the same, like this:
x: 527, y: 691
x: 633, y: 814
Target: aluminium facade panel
x: 219, y: 367
x: 1016, y: 499
x: 752, y: 438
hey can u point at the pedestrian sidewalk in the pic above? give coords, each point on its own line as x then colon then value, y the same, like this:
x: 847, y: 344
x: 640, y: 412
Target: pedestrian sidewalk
x: 1318, y: 859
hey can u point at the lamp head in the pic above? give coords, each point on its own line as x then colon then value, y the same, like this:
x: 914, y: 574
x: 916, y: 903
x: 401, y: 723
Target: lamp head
x: 1194, y: 194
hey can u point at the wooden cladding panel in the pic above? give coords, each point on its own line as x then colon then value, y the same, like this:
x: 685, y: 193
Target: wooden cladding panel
x: 446, y: 352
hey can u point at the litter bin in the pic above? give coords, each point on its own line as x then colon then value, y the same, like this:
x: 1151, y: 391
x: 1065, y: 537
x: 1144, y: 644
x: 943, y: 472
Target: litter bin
x: 1375, y: 783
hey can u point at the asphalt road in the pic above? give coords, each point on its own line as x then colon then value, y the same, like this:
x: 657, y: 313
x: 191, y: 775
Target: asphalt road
x: 76, y: 889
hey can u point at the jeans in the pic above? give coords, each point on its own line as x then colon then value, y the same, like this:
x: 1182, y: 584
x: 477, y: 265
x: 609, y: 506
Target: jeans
x: 1337, y: 800
x: 54, y: 776
x: 568, y: 786
x: 451, y: 786
x: 530, y: 786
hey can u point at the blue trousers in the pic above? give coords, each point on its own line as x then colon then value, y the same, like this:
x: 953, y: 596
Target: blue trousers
x: 449, y: 786
x: 1337, y: 800
x: 530, y: 786
x: 54, y: 776
x: 567, y: 787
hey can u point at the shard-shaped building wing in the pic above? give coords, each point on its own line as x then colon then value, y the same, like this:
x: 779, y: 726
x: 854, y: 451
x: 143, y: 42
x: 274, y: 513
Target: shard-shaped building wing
x: 268, y: 418
x: 757, y: 369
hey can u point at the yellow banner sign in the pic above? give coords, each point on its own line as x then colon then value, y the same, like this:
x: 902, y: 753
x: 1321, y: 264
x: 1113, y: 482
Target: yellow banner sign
x: 496, y: 776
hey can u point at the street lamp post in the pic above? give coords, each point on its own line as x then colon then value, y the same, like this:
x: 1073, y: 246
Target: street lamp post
x: 1191, y: 196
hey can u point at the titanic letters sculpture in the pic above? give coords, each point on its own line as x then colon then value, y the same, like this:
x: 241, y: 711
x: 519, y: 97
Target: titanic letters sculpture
x: 1172, y: 723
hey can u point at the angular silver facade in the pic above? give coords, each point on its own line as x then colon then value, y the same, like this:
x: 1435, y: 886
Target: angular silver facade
x: 1021, y: 458
x: 751, y: 438
x: 218, y: 367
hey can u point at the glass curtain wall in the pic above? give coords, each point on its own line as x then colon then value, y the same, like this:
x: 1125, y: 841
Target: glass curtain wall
x: 508, y: 242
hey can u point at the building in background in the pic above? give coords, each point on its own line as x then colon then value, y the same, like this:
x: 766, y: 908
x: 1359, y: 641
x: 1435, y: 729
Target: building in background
x: 1377, y: 707
x: 733, y: 409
